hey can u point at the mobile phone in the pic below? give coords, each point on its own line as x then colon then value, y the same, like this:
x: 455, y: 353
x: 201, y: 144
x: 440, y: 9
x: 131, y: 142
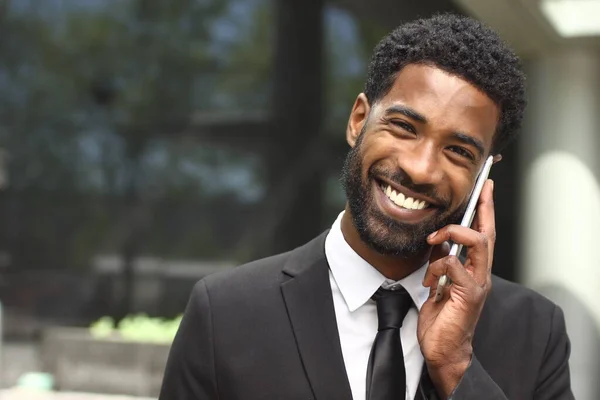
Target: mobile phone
x: 467, y: 220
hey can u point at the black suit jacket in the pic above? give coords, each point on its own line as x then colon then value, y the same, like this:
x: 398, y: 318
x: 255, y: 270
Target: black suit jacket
x: 267, y: 330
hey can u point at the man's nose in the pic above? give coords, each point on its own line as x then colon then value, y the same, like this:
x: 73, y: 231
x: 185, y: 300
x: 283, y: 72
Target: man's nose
x: 421, y: 163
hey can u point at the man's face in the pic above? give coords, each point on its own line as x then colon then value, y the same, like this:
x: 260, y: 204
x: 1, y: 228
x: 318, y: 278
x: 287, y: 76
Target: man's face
x: 415, y: 156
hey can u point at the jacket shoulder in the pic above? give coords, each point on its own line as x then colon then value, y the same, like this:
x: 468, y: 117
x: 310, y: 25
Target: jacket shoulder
x: 266, y: 274
x: 511, y: 297
x: 255, y: 275
x: 516, y: 315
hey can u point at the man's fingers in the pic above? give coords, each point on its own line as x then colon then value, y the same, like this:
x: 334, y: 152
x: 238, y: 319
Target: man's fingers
x: 478, y: 248
x: 459, y: 234
x: 479, y: 240
x: 463, y: 284
x: 485, y: 210
x: 450, y: 266
x: 438, y: 252
x: 485, y: 221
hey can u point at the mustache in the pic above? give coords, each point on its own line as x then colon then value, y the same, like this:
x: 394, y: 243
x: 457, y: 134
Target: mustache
x: 401, y: 178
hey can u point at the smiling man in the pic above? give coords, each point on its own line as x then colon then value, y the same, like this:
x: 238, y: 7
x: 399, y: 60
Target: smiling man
x: 352, y: 315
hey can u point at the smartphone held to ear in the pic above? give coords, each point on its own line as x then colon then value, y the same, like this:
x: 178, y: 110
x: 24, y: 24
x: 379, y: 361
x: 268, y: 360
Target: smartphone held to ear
x: 467, y: 220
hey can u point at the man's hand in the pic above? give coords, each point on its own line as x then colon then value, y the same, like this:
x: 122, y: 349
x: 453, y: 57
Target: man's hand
x: 445, y: 329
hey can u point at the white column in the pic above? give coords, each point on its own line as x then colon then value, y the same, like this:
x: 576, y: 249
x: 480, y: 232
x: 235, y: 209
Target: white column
x: 560, y: 209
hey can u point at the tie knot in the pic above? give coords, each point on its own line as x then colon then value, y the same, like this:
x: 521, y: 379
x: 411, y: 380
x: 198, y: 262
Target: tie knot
x: 392, y: 307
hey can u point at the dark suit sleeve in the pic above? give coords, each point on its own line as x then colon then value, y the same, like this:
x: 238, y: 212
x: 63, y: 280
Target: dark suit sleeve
x: 554, y: 380
x: 477, y: 383
x: 553, y: 383
x: 474, y: 384
x: 190, y: 370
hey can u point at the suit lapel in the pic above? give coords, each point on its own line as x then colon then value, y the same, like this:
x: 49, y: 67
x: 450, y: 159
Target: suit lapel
x: 309, y: 303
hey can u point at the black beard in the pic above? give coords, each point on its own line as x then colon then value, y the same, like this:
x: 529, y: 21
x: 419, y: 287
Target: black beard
x: 379, y: 231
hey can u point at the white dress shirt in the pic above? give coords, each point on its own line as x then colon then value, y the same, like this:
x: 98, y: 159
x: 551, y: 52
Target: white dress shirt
x: 353, y: 282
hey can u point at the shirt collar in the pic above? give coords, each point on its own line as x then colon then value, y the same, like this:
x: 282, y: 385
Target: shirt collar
x: 357, y: 279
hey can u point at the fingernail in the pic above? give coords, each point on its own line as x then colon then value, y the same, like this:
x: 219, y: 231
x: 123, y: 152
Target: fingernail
x: 492, y: 185
x: 432, y: 235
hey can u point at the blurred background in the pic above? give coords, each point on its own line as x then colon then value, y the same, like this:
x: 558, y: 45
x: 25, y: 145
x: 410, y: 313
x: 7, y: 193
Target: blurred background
x: 145, y: 144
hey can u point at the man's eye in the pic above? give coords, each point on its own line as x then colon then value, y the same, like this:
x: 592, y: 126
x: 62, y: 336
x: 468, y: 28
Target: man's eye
x: 462, y: 152
x: 404, y: 125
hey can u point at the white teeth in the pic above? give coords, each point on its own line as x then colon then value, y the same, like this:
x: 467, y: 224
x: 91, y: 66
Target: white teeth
x: 400, y: 200
x: 406, y: 202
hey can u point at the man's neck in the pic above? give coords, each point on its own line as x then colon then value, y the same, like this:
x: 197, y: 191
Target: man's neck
x: 391, y: 267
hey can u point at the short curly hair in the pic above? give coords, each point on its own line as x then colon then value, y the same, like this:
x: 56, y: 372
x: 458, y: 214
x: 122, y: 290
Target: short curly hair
x: 460, y: 46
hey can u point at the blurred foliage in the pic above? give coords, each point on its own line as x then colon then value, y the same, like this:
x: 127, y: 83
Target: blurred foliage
x: 95, y: 96
x: 138, y: 328
x: 93, y: 100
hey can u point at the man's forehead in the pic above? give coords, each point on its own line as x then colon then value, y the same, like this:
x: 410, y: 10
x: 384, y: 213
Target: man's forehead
x: 415, y: 81
x: 443, y: 99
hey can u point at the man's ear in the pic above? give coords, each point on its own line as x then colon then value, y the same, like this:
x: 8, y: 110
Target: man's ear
x: 497, y: 158
x: 358, y: 118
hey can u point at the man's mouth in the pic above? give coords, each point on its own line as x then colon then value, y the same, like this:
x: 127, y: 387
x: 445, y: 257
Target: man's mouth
x: 402, y: 200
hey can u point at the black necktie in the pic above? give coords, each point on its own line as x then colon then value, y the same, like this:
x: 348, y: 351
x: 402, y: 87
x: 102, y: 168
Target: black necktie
x: 386, y: 376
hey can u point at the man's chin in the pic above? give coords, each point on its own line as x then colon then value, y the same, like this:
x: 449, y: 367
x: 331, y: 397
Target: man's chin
x: 395, y: 239
x: 394, y: 248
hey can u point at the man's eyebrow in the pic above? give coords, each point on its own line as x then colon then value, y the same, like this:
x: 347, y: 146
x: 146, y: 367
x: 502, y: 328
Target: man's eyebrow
x: 461, y: 137
x: 467, y: 139
x: 409, y: 112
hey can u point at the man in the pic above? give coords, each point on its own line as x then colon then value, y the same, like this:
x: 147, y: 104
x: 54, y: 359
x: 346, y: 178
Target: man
x: 352, y: 314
